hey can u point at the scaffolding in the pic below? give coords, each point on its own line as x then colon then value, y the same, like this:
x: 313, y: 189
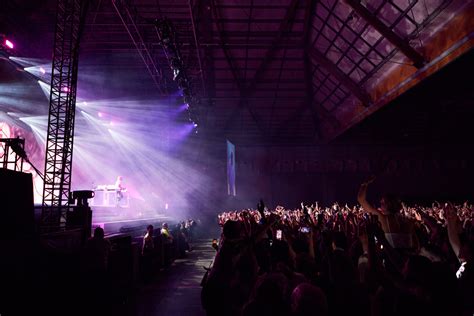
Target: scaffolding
x: 12, y: 153
x: 62, y: 105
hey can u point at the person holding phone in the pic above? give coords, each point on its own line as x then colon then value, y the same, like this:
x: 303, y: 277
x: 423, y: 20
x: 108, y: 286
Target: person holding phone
x: 305, y: 230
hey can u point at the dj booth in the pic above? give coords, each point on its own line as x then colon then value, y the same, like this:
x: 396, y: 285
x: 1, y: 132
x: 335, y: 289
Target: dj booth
x: 109, y: 196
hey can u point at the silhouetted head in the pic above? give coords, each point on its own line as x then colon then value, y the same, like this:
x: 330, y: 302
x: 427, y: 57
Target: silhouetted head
x: 232, y: 229
x: 149, y: 228
x: 280, y: 253
x: 339, y: 240
x: 417, y: 270
x: 390, y: 204
x: 308, y: 299
x: 99, y: 232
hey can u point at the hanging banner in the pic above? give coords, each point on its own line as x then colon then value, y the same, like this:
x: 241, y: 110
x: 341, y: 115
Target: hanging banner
x: 231, y: 169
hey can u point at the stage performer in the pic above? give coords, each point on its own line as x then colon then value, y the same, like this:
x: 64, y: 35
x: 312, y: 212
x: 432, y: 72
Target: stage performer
x: 119, y: 188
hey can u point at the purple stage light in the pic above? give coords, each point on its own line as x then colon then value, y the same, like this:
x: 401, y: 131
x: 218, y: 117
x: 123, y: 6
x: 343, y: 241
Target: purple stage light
x: 100, y: 114
x: 195, y: 125
x: 42, y: 70
x: 9, y: 44
x: 65, y: 89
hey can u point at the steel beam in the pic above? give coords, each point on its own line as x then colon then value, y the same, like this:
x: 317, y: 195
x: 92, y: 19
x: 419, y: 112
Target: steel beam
x: 308, y: 66
x: 285, y: 27
x: 243, y: 100
x: 246, y: 91
x: 403, y: 45
x: 222, y: 42
x: 320, y: 59
x: 130, y: 24
x: 198, y: 48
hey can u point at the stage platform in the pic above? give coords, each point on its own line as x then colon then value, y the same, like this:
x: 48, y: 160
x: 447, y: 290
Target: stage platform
x: 122, y: 220
x: 112, y: 226
x: 125, y: 220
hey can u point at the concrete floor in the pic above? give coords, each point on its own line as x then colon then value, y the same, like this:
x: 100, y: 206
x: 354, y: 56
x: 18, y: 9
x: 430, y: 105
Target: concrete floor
x: 176, y: 291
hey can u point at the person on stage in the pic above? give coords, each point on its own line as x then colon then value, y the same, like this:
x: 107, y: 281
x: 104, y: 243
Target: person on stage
x: 119, y: 188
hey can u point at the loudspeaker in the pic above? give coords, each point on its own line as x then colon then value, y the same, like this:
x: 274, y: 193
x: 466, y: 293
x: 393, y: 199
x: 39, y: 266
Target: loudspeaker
x: 80, y: 217
x: 16, y: 205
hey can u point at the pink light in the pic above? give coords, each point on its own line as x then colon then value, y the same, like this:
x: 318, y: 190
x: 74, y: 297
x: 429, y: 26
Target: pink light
x: 42, y: 70
x: 9, y: 44
x: 100, y: 114
x: 65, y: 89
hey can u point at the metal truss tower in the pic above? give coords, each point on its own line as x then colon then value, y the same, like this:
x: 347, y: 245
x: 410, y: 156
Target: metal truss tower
x: 62, y: 105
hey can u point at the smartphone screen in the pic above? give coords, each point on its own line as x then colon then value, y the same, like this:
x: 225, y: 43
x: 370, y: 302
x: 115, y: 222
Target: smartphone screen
x: 304, y: 229
x: 278, y: 234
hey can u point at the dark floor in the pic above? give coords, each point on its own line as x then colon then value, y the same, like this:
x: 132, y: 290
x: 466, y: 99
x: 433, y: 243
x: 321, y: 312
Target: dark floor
x: 176, y: 290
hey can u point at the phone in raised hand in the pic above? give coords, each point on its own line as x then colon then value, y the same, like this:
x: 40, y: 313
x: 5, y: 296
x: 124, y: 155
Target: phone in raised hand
x: 305, y: 230
x: 278, y: 234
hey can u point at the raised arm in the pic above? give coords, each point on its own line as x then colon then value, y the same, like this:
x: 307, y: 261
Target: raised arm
x: 452, y: 222
x: 362, y: 197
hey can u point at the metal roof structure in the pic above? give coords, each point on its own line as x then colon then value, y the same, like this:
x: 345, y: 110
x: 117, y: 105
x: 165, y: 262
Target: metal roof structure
x: 279, y: 71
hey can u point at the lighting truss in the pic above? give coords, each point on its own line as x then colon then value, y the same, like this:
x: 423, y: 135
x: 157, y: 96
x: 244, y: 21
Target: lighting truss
x: 62, y: 105
x: 169, y: 41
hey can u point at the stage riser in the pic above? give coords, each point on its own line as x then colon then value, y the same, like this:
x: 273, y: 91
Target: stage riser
x: 126, y: 226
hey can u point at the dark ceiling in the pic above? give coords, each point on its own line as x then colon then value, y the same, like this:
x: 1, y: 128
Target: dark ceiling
x: 265, y: 71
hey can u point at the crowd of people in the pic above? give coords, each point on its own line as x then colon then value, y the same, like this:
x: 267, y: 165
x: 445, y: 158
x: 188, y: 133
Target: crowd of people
x: 394, y: 259
x: 158, y: 249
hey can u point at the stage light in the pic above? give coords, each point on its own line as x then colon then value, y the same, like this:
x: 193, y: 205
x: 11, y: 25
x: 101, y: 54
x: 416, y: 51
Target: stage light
x: 46, y: 88
x: 195, y: 125
x: 65, y: 89
x: 42, y: 70
x: 9, y: 44
x: 101, y: 115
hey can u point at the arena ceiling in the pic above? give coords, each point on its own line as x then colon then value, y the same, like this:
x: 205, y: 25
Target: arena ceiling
x: 273, y: 71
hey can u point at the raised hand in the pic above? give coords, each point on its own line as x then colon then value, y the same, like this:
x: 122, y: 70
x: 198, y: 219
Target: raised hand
x: 418, y: 216
x: 450, y: 211
x: 370, y: 180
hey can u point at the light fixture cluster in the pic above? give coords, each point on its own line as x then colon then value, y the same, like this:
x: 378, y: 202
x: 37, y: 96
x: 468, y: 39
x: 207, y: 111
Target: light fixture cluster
x: 169, y: 41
